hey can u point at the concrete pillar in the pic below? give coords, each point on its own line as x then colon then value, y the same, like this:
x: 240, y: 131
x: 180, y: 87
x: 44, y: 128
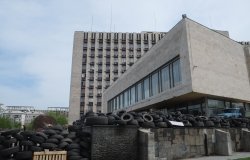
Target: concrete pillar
x: 146, y: 145
x: 245, y: 140
x: 223, y: 143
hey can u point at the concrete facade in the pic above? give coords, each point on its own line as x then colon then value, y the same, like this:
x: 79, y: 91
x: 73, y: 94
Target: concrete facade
x: 98, y: 59
x: 211, y: 64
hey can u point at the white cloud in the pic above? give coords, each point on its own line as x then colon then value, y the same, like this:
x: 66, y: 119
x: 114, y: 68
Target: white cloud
x: 37, y: 36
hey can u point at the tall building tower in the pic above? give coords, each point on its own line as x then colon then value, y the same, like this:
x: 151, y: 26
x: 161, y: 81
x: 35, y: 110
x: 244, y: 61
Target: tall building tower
x: 99, y: 58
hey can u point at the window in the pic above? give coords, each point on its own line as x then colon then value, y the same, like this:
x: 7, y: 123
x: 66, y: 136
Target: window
x: 126, y: 99
x: 132, y: 95
x: 121, y: 101
x: 117, y: 102
x: 146, y: 87
x: 138, y: 92
x: 176, y: 72
x: 129, y: 98
x: 195, y: 109
x: 214, y: 107
x: 112, y: 105
x: 155, y: 84
x: 165, y: 80
x: 160, y: 80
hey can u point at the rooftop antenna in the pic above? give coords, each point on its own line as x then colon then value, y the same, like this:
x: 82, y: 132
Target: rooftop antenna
x: 154, y: 22
x: 114, y: 27
x: 110, y: 18
x: 91, y: 23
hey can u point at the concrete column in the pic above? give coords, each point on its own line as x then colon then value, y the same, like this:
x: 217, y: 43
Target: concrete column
x: 146, y: 145
x: 223, y: 143
x: 245, y: 140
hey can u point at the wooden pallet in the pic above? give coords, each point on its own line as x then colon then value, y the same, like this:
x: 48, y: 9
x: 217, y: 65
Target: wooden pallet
x: 50, y: 155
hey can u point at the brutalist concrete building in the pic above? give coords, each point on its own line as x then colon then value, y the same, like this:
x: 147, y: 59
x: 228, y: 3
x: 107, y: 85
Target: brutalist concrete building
x: 99, y: 58
x: 193, y: 69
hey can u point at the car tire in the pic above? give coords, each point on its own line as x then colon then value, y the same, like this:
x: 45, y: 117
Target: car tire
x: 147, y: 118
x: 23, y: 155
x: 90, y: 121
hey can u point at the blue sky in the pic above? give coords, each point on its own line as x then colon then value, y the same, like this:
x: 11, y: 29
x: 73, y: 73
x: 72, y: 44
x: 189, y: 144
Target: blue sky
x: 36, y: 37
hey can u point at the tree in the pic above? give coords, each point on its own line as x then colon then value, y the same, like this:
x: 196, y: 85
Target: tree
x: 7, y: 123
x: 60, y: 119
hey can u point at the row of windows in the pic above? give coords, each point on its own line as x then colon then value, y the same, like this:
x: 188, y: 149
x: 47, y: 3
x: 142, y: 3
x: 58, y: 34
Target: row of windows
x: 123, y: 36
x: 162, y: 79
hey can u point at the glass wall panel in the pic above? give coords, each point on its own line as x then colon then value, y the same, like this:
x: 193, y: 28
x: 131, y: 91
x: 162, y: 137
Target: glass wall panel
x: 109, y: 110
x: 165, y: 80
x: 183, y: 110
x: 155, y: 84
x: 121, y: 100
x: 132, y: 95
x: 115, y: 103
x: 237, y: 105
x: 112, y: 105
x: 247, y: 106
x: 215, y: 107
x: 162, y: 79
x: 118, y: 102
x: 146, y: 88
x: 138, y: 92
x: 126, y: 99
x: 176, y: 72
x: 212, y: 103
x: 195, y: 109
x: 129, y: 98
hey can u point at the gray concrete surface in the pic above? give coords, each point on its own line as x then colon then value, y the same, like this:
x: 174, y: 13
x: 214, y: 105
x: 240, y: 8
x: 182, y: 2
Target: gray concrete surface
x: 202, y: 52
x: 223, y: 144
x: 235, y: 155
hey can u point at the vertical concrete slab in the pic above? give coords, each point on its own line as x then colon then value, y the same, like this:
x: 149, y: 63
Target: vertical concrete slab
x: 146, y: 145
x: 245, y: 140
x: 223, y: 143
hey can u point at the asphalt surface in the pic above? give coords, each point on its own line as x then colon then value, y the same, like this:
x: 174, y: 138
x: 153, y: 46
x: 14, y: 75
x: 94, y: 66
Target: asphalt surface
x: 235, y: 155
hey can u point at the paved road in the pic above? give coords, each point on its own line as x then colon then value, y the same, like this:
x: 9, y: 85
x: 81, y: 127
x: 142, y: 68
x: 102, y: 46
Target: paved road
x: 235, y: 155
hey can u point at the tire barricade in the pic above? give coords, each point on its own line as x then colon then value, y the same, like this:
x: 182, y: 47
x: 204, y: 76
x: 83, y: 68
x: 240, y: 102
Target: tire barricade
x: 20, y: 145
x: 158, y: 119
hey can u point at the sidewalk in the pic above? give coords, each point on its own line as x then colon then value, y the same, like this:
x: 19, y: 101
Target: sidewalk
x: 235, y: 155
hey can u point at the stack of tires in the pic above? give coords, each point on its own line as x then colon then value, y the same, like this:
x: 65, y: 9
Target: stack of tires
x: 158, y: 119
x: 80, y: 146
x: 9, y: 145
x: 20, y: 145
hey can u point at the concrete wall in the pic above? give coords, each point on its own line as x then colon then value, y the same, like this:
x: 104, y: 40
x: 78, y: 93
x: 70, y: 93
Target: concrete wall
x: 114, y: 142
x: 218, y: 64
x: 173, y: 44
x: 178, y: 143
x: 76, y: 73
x: 247, y: 55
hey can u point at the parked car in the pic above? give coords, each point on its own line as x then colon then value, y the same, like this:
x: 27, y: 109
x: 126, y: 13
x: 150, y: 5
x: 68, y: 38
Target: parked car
x: 231, y: 113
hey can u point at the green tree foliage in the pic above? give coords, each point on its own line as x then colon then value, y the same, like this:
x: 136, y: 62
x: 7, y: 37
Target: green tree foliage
x: 60, y: 119
x: 30, y: 125
x: 7, y: 123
